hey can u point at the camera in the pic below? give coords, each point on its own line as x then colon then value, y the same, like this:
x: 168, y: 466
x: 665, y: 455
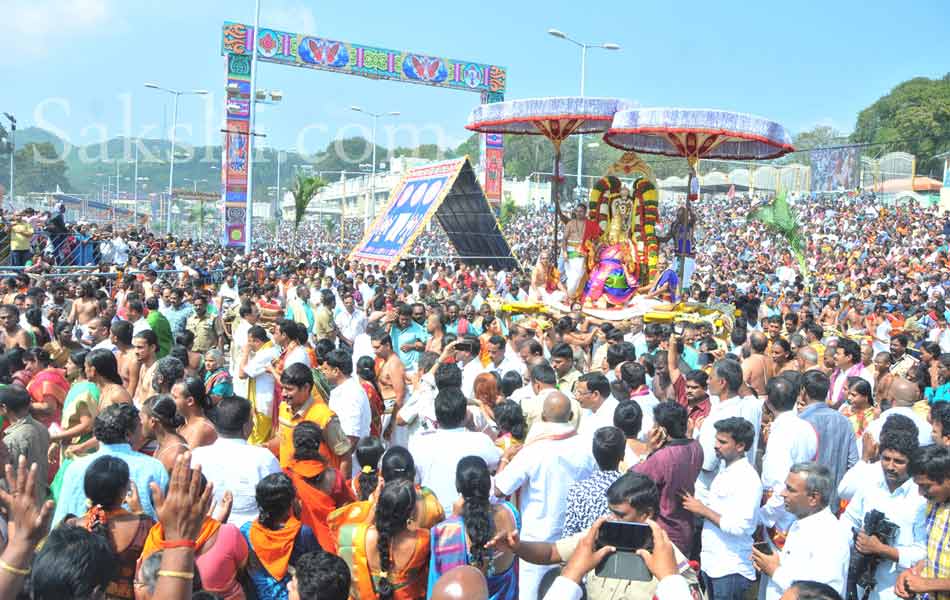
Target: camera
x: 861, y: 567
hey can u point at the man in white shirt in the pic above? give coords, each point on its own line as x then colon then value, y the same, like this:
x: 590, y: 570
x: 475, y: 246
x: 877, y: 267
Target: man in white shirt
x: 891, y: 491
x: 135, y: 311
x: 347, y: 398
x: 501, y: 360
x: 792, y: 440
x: 817, y: 547
x: 635, y: 376
x: 233, y: 465
x: 904, y: 394
x: 350, y: 322
x: 730, y: 514
x: 592, y: 392
x: 466, y: 357
x: 724, y: 383
x: 248, y: 313
x: 543, y: 471
x: 543, y: 384
x: 417, y: 415
x: 438, y: 452
x: 257, y: 370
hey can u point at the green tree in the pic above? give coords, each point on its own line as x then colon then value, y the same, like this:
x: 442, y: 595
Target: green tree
x: 305, y: 188
x: 39, y: 169
x: 508, y: 211
x: 914, y: 117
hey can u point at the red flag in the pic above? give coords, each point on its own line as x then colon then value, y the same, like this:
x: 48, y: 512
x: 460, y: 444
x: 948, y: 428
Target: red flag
x: 732, y: 192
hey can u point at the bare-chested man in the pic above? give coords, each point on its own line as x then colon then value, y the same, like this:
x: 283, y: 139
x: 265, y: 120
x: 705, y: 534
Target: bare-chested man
x: 10, y: 331
x: 86, y: 306
x: 855, y: 318
x: 129, y: 368
x: 391, y: 376
x: 145, y: 344
x: 755, y: 368
x: 572, y: 247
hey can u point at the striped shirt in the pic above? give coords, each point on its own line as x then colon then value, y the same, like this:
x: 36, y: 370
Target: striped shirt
x: 937, y: 564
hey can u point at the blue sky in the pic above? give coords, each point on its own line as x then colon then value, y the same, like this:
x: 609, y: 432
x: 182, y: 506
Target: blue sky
x: 80, y: 65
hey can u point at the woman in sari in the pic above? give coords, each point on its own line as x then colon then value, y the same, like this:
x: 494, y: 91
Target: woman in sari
x: 859, y: 408
x: 321, y: 489
x: 461, y: 539
x: 511, y: 425
x: 388, y: 558
x: 48, y: 387
x: 106, y: 484
x: 369, y: 451
x: 218, y: 382
x: 366, y: 374
x: 220, y: 554
x: 276, y: 538
x: 79, y: 411
x: 397, y: 465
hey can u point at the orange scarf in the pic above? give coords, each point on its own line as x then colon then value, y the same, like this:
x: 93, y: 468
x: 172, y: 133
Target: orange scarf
x: 315, y: 504
x: 273, y: 547
x: 156, y: 535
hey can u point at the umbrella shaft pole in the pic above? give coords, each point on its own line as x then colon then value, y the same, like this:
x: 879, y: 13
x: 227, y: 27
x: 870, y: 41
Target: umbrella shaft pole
x: 555, y: 194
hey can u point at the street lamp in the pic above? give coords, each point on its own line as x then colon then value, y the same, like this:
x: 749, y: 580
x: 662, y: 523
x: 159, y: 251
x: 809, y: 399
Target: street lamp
x: 371, y: 210
x: 584, y: 46
x: 171, y: 153
x: 12, y: 121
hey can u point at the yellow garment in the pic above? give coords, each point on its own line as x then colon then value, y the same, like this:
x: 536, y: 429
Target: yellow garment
x: 263, y: 430
x: 20, y: 236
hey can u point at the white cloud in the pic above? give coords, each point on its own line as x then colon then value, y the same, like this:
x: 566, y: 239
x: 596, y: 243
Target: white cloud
x: 288, y: 16
x: 37, y: 27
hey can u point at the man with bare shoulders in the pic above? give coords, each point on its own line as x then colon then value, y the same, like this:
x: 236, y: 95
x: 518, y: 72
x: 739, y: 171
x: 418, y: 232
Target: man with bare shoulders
x: 855, y: 318
x: 145, y: 344
x: 391, y: 376
x: 10, y: 331
x: 125, y: 355
x: 755, y: 369
x: 86, y: 306
x: 572, y: 247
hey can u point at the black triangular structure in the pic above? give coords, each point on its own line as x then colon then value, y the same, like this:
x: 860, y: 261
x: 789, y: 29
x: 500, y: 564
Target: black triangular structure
x: 460, y: 207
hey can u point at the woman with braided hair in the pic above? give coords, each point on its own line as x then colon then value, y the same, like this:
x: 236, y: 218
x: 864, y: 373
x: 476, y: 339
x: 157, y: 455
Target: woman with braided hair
x: 460, y: 540
x: 397, y: 465
x: 106, y: 485
x: 388, y: 558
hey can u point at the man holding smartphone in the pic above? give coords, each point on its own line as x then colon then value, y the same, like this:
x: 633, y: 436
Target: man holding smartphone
x: 730, y: 514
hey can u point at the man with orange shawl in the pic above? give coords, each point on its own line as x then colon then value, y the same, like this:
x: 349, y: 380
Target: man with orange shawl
x: 301, y: 403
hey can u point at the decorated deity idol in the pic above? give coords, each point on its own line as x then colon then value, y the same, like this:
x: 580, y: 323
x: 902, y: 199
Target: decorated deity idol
x: 613, y: 256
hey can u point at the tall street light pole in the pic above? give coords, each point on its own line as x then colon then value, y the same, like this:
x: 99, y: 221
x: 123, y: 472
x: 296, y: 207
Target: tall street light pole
x: 584, y: 46
x: 171, y: 155
x: 371, y: 209
x: 12, y: 120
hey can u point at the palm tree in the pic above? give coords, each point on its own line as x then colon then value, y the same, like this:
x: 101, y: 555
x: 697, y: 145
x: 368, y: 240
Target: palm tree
x: 305, y: 188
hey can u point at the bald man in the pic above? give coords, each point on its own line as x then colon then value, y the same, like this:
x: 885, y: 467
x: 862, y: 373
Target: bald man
x: 755, y: 369
x: 461, y: 583
x: 543, y: 471
x: 807, y: 359
x: 904, y: 394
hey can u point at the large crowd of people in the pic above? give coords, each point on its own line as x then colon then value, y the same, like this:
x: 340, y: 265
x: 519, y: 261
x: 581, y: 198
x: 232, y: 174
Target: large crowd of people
x: 184, y: 420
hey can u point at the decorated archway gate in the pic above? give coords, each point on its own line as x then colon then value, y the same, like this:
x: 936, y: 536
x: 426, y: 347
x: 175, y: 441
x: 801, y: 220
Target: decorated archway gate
x: 323, y: 54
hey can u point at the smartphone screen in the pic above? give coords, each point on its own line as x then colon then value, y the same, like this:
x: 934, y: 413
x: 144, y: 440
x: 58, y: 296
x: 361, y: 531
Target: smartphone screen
x: 763, y: 547
x: 624, y: 536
